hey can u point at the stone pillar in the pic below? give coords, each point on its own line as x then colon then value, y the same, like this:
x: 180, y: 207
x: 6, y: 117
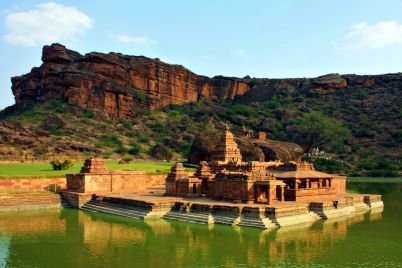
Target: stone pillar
x: 269, y: 194
x: 319, y: 183
x: 282, y: 193
x: 296, y: 184
x: 308, y: 186
x: 329, y: 183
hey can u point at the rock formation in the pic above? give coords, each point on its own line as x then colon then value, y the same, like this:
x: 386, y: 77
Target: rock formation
x: 252, y: 149
x: 115, y: 83
x: 120, y: 86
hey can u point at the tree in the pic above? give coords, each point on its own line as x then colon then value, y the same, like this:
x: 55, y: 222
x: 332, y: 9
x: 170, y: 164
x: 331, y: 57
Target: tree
x: 61, y: 165
x: 315, y: 129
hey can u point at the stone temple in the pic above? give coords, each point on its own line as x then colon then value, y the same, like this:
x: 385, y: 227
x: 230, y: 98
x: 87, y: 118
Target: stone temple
x: 225, y: 190
x: 229, y: 178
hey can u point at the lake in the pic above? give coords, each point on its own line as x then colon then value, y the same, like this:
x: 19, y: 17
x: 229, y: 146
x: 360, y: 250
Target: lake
x: 72, y: 238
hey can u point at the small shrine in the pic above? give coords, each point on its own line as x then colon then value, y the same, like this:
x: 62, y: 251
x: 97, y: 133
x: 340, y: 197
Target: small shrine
x: 94, y: 165
x: 96, y: 177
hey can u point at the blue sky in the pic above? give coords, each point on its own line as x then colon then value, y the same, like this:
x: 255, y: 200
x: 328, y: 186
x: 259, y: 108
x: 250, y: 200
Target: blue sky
x: 274, y: 39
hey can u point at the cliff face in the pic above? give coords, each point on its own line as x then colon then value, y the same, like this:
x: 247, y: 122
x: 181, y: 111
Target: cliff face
x: 119, y: 85
x: 115, y: 84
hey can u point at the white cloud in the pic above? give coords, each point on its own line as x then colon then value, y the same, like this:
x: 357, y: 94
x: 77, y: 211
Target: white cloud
x: 123, y: 38
x: 379, y: 35
x: 47, y: 23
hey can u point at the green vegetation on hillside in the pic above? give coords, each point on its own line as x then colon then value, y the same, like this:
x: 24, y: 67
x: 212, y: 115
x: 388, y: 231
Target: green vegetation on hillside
x: 338, y: 131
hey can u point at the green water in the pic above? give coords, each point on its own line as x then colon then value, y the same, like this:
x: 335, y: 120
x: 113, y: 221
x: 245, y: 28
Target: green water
x: 71, y: 238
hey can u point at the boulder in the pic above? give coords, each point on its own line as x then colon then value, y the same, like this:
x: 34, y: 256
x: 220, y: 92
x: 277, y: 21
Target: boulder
x: 251, y: 149
x: 329, y: 81
x: 84, y: 148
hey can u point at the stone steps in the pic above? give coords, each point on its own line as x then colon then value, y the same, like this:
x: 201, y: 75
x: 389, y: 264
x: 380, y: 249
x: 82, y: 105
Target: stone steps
x: 361, y: 206
x: 252, y: 222
x: 118, y: 212
x: 110, y: 208
x: 203, y: 218
x: 119, y: 205
x: 226, y: 218
x: 377, y: 204
x: 113, y: 211
x: 296, y: 219
x: 336, y: 212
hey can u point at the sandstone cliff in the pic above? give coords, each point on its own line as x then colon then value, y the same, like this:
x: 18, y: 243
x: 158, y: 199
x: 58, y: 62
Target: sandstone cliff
x: 115, y: 83
x: 119, y: 86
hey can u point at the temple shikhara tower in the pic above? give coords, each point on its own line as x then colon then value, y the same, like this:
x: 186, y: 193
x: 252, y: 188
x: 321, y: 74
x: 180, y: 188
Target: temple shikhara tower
x: 227, y: 150
x: 227, y: 177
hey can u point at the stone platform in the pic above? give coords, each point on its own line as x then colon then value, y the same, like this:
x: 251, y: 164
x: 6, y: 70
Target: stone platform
x: 153, y: 204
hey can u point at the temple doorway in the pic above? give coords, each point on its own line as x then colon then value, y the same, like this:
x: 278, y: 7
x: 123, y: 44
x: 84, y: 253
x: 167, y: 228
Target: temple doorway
x: 194, y: 188
x: 261, y: 194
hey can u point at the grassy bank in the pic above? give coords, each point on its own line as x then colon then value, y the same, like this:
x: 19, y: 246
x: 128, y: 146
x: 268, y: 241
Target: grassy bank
x: 44, y: 170
x: 374, y: 179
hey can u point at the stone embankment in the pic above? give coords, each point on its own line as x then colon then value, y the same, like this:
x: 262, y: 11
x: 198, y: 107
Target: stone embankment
x: 33, y: 193
x: 32, y: 185
x: 31, y: 200
x: 148, y: 206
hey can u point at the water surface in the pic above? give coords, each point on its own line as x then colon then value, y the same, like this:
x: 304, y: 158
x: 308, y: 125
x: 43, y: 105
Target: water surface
x: 72, y: 238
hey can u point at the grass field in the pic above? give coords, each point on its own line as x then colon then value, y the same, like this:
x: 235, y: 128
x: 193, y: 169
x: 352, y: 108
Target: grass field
x: 44, y: 170
x: 374, y: 179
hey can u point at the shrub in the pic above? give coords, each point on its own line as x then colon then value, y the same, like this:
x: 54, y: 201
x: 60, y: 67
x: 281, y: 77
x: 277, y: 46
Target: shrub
x: 242, y: 110
x: 298, y: 99
x: 272, y: 104
x: 121, y: 150
x: 138, y: 94
x: 157, y: 127
x: 110, y: 141
x: 143, y: 139
x: 134, y: 150
x: 88, y: 114
x: 185, y: 148
x: 61, y: 165
x: 127, y: 124
x: 328, y: 165
x: 106, y: 155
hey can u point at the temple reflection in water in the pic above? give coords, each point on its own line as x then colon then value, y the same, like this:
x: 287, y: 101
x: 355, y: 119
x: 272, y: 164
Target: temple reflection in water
x: 109, y: 240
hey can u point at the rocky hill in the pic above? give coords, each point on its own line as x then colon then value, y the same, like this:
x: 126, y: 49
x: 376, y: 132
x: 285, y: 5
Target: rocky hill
x: 116, y: 84
x: 153, y: 109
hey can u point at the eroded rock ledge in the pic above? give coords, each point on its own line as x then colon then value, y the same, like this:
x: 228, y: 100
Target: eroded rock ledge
x: 120, y: 86
x: 115, y: 83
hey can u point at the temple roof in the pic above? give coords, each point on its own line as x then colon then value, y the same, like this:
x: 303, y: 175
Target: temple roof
x: 301, y: 174
x: 94, y: 165
x: 227, y: 149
